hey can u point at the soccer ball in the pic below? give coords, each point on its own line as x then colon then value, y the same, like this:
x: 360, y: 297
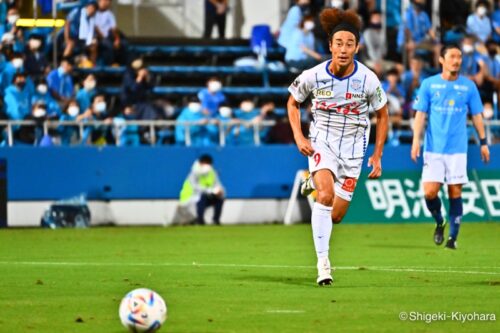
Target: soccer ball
x: 143, y: 310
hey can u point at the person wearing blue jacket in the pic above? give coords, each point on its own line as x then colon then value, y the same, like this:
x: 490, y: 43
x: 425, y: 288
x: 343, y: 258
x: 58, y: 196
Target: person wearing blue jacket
x: 42, y: 94
x: 17, y: 98
x: 60, y: 81
x: 15, y: 65
x: 248, y: 113
x: 87, y: 92
x: 198, y: 133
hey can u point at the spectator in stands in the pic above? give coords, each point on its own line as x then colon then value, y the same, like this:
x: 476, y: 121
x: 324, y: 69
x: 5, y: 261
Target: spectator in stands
x: 412, y: 79
x: 395, y: 96
x: 87, y: 92
x: 79, y: 31
x: 374, y: 42
x: 198, y: 133
x: 111, y: 45
x: 215, y: 14
x: 491, y: 82
x: 60, y: 81
x: 17, y: 98
x: 99, y: 135
x: 203, y: 189
x: 211, y: 97
x: 249, y: 115
x: 42, y: 94
x: 29, y: 134
x: 292, y: 21
x: 36, y: 62
x: 69, y: 134
x: 478, y: 23
x: 10, y: 30
x: 127, y: 135
x: 15, y: 65
x: 495, y: 22
x: 267, y: 113
x: 301, y: 50
x: 416, y: 33
x: 222, y: 121
x: 472, y: 62
x: 136, y: 85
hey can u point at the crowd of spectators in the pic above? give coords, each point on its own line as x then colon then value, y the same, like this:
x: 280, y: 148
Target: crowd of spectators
x: 409, y: 50
x: 33, y: 89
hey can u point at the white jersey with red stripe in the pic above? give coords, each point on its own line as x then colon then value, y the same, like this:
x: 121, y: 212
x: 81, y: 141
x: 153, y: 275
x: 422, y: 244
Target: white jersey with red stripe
x: 340, y: 106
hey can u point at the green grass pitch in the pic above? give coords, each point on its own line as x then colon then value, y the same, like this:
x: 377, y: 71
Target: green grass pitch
x: 249, y: 278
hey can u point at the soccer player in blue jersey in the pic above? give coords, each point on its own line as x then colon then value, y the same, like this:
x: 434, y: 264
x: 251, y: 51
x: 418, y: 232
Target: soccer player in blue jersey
x: 446, y: 99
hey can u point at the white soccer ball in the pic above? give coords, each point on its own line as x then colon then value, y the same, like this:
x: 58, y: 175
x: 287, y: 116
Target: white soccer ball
x: 143, y: 310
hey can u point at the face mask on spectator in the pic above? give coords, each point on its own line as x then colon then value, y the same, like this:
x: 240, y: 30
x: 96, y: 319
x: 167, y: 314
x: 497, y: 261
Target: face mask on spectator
x: 214, y: 86
x: 492, y: 51
x: 21, y: 84
x: 42, y: 89
x: 73, y: 110
x: 308, y: 25
x: 34, y: 44
x: 194, y: 107
x: 7, y: 38
x: 225, y: 111
x: 100, y: 107
x: 89, y: 85
x: 337, y: 3
x: 17, y: 63
x: 467, y: 48
x: 169, y: 110
x: 12, y: 19
x: 376, y: 25
x: 202, y: 169
x: 61, y: 70
x: 39, y: 113
x: 247, y: 106
x: 481, y: 11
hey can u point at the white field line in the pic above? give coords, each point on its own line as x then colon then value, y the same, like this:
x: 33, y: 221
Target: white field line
x: 458, y: 270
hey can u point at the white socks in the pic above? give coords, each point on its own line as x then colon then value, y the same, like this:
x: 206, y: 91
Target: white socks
x: 321, y: 222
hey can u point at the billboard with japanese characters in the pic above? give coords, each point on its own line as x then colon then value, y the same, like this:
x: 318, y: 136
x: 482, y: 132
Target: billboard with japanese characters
x: 398, y: 197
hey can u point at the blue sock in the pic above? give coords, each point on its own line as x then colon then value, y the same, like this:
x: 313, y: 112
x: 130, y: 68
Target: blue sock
x: 456, y: 212
x: 434, y: 206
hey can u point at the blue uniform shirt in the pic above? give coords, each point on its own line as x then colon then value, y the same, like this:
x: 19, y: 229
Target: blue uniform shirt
x: 446, y: 104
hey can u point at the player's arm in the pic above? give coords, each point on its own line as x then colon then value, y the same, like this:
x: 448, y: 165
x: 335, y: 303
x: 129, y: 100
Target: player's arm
x: 418, y: 127
x: 477, y: 121
x: 303, y: 144
x: 382, y: 127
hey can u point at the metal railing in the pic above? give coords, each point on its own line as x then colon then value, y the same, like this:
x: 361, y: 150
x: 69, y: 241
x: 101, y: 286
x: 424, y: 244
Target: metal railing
x: 152, y: 126
x: 492, y: 128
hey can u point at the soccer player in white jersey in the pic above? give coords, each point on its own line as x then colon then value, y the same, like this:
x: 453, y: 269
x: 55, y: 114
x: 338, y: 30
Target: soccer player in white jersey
x: 446, y: 99
x: 342, y: 91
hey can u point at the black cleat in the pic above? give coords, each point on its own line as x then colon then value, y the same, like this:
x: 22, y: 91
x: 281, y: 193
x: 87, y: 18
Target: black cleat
x: 439, y: 234
x: 451, y: 244
x: 325, y: 282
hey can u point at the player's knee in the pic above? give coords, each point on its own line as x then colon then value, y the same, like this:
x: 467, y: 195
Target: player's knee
x: 325, y: 198
x: 337, y: 218
x: 430, y: 194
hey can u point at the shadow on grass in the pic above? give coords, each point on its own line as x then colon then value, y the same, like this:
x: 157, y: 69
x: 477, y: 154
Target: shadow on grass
x: 401, y: 246
x: 287, y: 280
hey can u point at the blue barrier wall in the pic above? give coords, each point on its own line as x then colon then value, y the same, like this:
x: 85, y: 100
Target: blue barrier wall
x: 158, y: 173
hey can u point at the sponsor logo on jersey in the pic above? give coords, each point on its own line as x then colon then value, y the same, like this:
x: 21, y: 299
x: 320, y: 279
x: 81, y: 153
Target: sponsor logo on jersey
x: 379, y: 94
x: 451, y: 102
x: 356, y: 84
x: 296, y: 83
x: 349, y: 184
x: 322, y: 93
x: 460, y: 87
x: 345, y: 109
x: 349, y: 95
x: 437, y: 86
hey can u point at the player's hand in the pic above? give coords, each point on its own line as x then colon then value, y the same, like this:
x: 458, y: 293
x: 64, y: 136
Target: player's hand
x: 304, y: 146
x: 415, y: 152
x: 485, y: 154
x: 376, y: 163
